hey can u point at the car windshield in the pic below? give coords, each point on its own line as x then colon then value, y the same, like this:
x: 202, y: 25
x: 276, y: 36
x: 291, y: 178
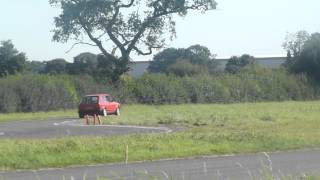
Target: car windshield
x: 90, y: 100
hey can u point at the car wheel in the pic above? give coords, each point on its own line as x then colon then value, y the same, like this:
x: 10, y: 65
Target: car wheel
x: 118, y: 112
x: 104, y: 112
x: 81, y: 115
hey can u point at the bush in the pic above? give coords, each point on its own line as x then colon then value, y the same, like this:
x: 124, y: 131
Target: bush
x: 159, y: 89
x: 185, y: 68
x: 29, y: 93
x: 252, y: 84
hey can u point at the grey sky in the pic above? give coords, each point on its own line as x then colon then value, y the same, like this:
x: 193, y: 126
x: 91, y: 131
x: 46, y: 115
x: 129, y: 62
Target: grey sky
x: 257, y: 27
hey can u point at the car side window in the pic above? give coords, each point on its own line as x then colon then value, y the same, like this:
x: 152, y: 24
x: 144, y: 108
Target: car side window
x: 84, y: 100
x: 89, y: 100
x: 103, y: 99
x: 94, y: 100
x: 109, y: 99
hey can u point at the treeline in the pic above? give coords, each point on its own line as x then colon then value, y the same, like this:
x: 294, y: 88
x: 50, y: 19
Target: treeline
x: 29, y: 93
x: 190, y: 61
x: 175, y: 76
x: 13, y: 62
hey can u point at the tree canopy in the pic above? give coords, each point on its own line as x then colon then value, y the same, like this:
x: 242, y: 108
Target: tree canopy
x: 303, y: 53
x: 235, y: 63
x: 309, y: 59
x: 162, y: 60
x: 56, y: 66
x: 183, y: 61
x: 35, y: 67
x: 84, y: 63
x: 127, y: 26
x: 293, y: 44
x: 11, y: 60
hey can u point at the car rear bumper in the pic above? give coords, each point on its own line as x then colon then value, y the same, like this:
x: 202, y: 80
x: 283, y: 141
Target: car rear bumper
x: 89, y: 112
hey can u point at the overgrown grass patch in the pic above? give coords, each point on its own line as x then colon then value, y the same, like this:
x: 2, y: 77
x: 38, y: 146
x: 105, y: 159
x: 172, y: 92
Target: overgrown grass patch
x: 26, y: 154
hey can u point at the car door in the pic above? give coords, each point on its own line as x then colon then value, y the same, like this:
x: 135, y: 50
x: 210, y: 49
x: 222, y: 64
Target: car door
x: 104, y: 102
x: 111, y: 106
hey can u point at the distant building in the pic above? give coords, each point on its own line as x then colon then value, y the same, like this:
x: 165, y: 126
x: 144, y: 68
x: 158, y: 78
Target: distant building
x: 268, y: 62
x: 137, y: 68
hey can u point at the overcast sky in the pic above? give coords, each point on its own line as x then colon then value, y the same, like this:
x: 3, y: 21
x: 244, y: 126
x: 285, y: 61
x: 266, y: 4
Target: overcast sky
x: 256, y: 27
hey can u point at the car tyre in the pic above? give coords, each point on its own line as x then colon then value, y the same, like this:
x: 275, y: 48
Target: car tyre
x: 117, y: 112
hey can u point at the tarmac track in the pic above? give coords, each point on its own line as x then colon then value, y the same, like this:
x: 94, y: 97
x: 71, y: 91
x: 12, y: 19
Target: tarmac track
x: 68, y: 127
x: 247, y: 167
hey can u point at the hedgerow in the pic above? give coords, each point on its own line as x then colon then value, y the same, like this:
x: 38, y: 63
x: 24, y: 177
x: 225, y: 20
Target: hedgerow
x: 30, y: 93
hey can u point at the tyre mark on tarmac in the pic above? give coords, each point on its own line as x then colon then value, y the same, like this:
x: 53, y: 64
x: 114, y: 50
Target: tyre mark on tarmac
x: 79, y: 124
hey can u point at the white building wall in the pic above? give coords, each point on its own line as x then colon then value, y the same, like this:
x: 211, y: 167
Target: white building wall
x: 138, y: 68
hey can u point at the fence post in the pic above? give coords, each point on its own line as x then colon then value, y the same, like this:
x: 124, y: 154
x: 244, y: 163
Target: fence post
x: 126, y: 154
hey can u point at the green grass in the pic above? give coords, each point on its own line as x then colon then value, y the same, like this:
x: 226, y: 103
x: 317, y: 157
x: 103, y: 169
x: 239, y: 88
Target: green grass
x: 38, y: 115
x: 253, y: 114
x: 207, y: 130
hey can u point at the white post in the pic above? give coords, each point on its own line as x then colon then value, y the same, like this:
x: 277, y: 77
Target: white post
x: 126, y: 154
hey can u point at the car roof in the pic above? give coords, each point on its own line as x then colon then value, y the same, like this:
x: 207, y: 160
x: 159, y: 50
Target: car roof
x: 101, y: 94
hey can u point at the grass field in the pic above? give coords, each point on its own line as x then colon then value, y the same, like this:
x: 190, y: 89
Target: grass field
x: 206, y: 130
x: 38, y: 116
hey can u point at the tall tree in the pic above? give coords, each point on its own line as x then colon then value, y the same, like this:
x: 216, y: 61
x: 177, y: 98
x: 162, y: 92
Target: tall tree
x: 183, y: 59
x: 84, y: 63
x: 36, y: 67
x: 162, y: 60
x: 235, y: 63
x: 199, y: 54
x: 308, y: 61
x: 131, y: 26
x: 56, y: 66
x: 293, y: 44
x: 11, y: 60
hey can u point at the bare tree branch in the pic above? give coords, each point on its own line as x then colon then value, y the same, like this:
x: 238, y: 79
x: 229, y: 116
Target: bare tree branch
x: 141, y: 52
x: 77, y: 43
x: 150, y: 47
x: 100, y: 36
x: 126, y: 42
x: 95, y: 40
x: 108, y: 29
x: 127, y: 5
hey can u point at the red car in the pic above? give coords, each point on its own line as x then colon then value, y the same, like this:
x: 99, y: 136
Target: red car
x: 100, y: 104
